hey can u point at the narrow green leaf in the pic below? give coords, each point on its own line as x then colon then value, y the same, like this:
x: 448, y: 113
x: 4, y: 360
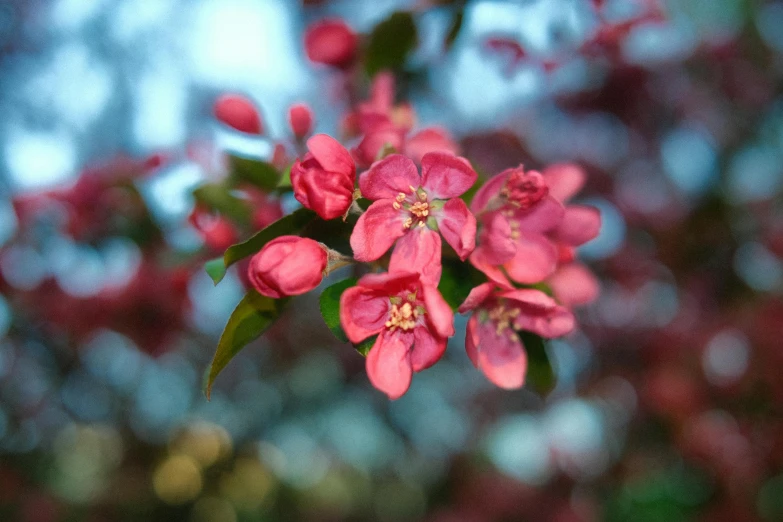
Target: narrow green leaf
x: 330, y: 306
x: 218, y: 197
x: 540, y: 375
x: 216, y: 269
x: 285, y: 179
x: 364, y: 347
x: 390, y: 43
x: 256, y: 172
x: 456, y: 282
x: 289, y: 224
x: 252, y: 316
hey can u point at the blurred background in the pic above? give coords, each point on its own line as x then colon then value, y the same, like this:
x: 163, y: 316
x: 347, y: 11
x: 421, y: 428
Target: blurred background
x: 666, y: 403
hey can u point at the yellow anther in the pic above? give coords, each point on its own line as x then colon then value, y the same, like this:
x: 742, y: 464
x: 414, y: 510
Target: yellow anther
x: 420, y: 209
x: 411, y: 187
x: 402, y: 317
x: 503, y: 318
x: 407, y: 223
x: 400, y: 197
x: 422, y: 196
x: 421, y: 224
x: 396, y: 205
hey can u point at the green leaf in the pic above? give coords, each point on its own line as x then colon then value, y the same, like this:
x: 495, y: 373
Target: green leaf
x: 330, y: 306
x: 364, y: 347
x: 216, y: 269
x: 256, y: 172
x: 285, y: 179
x: 289, y: 224
x: 456, y: 282
x: 390, y: 43
x: 251, y: 318
x: 217, y: 197
x: 540, y: 375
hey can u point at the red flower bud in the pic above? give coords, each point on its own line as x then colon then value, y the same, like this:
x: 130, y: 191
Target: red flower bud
x: 300, y: 117
x: 287, y: 265
x: 331, y: 42
x: 238, y: 112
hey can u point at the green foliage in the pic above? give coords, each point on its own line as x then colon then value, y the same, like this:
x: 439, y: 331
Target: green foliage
x: 251, y: 318
x: 255, y: 172
x: 390, y: 43
x: 365, y: 346
x: 540, y: 375
x: 289, y: 224
x: 330, y: 306
x: 218, y: 197
x: 216, y: 269
x: 456, y: 282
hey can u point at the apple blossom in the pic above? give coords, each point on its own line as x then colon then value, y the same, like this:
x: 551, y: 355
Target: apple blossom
x: 288, y: 265
x: 238, y: 112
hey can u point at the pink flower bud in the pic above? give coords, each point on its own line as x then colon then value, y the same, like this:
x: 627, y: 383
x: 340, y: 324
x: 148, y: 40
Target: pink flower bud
x: 331, y: 42
x: 300, y: 117
x: 287, y: 265
x: 238, y: 112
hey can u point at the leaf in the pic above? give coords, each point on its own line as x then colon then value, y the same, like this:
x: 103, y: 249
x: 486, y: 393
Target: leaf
x: 540, y: 375
x: 218, y: 197
x: 256, y: 172
x: 285, y: 180
x: 390, y: 43
x: 216, y: 269
x: 330, y: 306
x: 251, y: 318
x: 289, y: 224
x: 456, y: 282
x: 364, y: 347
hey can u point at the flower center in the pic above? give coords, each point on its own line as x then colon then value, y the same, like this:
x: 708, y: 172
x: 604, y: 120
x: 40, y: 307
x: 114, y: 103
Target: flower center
x: 503, y: 317
x: 403, y: 316
x: 419, y: 209
x: 524, y: 189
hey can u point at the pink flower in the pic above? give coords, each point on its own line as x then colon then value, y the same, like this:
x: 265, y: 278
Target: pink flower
x: 324, y: 179
x: 287, y: 265
x: 331, y: 42
x: 413, y: 209
x: 526, y: 229
x: 300, y: 117
x: 492, y: 341
x: 238, y: 112
x: 412, y: 321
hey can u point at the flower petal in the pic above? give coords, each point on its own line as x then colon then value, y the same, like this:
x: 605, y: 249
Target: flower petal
x: 477, y: 295
x: 501, y: 358
x: 545, y: 215
x: 555, y: 322
x: 564, y: 180
x: 488, y: 191
x: 498, y: 247
x: 390, y: 282
x: 389, y: 364
x: 580, y: 224
x: 445, y: 176
x: 374, y: 141
x: 329, y: 194
x: 376, y: 231
x: 536, y: 258
x: 458, y: 227
x: 493, y: 272
x: 431, y: 139
x: 574, y: 285
x: 427, y: 349
x: 332, y: 155
x: 439, y: 314
x: 471, y: 340
x: 419, y: 250
x: 363, y: 312
x: 388, y: 177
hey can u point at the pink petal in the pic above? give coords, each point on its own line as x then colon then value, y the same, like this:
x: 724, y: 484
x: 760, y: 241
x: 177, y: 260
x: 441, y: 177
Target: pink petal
x: 477, y: 295
x: 493, y: 272
x: 555, y: 322
x: 472, y: 340
x: 488, y: 191
x: 502, y: 359
x: 545, y: 215
x: 238, y: 112
x: 389, y: 177
x: 376, y: 230
x: 536, y: 258
x: 564, y: 180
x: 574, y: 285
x: 497, y: 246
x: 419, y: 250
x: 580, y: 224
x: 431, y: 139
x: 439, y: 314
x: 530, y: 298
x: 374, y: 141
x: 427, y: 349
x: 363, y: 312
x: 445, y: 176
x: 390, y: 282
x: 389, y: 364
x: 458, y: 227
x: 331, y: 155
x: 329, y: 194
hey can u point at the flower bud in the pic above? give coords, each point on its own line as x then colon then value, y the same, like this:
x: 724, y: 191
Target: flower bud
x: 239, y: 113
x: 300, y: 117
x: 287, y: 265
x: 331, y: 42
